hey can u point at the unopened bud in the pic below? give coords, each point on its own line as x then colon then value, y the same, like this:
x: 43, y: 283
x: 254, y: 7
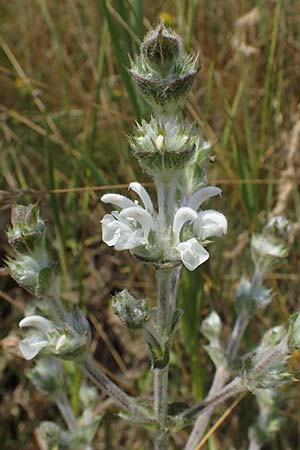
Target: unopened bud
x: 27, y: 227
x: 133, y: 313
x: 211, y: 327
x: 251, y: 297
x: 164, y: 146
x: 161, y: 48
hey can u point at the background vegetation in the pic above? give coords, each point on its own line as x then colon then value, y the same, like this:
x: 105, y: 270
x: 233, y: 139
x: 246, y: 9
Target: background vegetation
x: 66, y: 104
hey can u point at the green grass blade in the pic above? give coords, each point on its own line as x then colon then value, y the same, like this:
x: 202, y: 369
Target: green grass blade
x: 190, y: 299
x: 268, y: 79
x: 120, y: 58
x: 191, y: 16
x: 57, y: 43
x: 55, y: 208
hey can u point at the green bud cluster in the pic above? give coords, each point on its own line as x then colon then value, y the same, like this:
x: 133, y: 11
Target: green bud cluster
x: 30, y: 266
x: 165, y: 144
x: 251, y: 297
x: 133, y: 313
x: 27, y: 228
x: 269, y: 247
x: 267, y: 367
x: 163, y: 72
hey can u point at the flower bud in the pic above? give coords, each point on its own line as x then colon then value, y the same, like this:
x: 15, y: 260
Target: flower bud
x: 279, y: 227
x: 166, y: 145
x: 251, y: 297
x: 161, y: 48
x: 162, y: 72
x: 271, y: 245
x: 211, y: 327
x: 48, y: 376
x: 51, y: 433
x: 32, y: 271
x: 27, y: 227
x: 133, y: 313
x: 267, y: 367
x: 88, y: 396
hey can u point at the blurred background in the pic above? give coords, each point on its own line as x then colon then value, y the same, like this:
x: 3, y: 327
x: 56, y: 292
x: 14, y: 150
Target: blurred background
x: 66, y: 105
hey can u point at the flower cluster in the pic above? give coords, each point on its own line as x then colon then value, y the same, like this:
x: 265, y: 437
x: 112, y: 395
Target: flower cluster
x: 30, y: 266
x: 135, y: 227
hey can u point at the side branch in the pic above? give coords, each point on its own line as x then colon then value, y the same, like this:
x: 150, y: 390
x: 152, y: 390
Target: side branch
x: 102, y: 382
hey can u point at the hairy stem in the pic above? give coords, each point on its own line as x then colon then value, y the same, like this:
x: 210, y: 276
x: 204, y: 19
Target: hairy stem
x: 234, y: 387
x: 167, y: 280
x: 166, y: 301
x: 100, y: 380
x: 66, y: 411
x: 237, y: 334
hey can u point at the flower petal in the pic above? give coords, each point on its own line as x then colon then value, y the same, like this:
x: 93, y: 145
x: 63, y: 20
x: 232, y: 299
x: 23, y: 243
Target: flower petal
x: 131, y: 240
x: 119, y: 200
x: 113, y: 228
x: 39, y: 322
x: 210, y: 223
x: 31, y: 346
x: 182, y: 216
x: 201, y: 195
x: 143, y: 194
x: 192, y: 254
x: 140, y: 215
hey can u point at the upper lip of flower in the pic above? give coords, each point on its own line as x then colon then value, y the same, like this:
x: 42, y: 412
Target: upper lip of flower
x: 133, y: 218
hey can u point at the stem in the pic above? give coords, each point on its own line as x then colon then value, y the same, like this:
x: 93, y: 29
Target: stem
x: 237, y: 334
x: 167, y: 281
x: 234, y: 387
x: 100, y: 380
x: 220, y: 378
x: 66, y: 411
x: 255, y: 444
x: 166, y: 191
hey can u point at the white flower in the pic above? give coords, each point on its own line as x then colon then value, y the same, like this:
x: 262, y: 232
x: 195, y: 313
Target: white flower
x: 66, y: 339
x: 205, y: 224
x: 131, y: 227
x: 33, y: 344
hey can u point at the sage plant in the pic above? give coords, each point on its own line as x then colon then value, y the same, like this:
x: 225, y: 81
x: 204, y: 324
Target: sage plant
x: 172, y: 231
